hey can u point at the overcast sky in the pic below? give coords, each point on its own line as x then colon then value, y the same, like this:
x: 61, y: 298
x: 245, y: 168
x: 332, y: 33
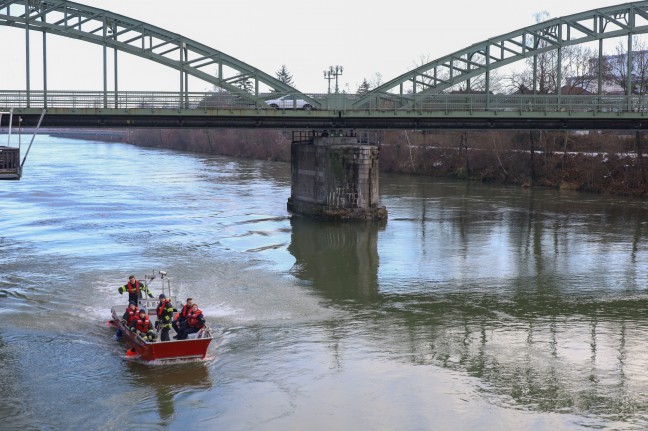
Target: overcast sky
x: 365, y: 37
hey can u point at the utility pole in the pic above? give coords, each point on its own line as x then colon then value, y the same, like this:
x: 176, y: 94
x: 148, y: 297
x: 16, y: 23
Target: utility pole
x: 331, y: 73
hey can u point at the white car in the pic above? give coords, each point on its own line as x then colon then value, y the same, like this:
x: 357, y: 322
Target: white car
x: 289, y: 102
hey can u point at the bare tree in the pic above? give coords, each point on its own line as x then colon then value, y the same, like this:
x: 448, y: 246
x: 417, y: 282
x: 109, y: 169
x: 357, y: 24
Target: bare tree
x: 376, y: 80
x: 580, y: 71
x: 548, y: 72
x: 423, y: 80
x: 476, y: 84
x: 616, y: 67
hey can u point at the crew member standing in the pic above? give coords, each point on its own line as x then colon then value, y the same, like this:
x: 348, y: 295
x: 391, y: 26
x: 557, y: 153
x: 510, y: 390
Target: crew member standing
x: 134, y: 287
x: 164, y: 315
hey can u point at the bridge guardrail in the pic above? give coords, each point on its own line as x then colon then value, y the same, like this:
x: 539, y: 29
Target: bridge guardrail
x: 448, y: 103
x: 439, y: 103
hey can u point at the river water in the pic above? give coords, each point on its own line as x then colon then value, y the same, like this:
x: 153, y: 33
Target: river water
x: 473, y: 307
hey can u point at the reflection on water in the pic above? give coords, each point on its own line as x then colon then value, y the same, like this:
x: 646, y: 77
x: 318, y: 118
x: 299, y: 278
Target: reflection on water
x: 167, y: 380
x: 553, y: 362
x: 340, y: 259
x: 12, y: 407
x: 535, y: 294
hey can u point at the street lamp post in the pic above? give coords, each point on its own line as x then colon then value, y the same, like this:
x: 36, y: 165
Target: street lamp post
x: 333, y: 72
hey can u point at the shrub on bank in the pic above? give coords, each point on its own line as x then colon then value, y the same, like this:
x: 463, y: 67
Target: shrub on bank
x: 590, y: 162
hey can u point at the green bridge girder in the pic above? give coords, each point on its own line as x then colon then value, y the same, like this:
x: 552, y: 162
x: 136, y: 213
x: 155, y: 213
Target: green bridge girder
x: 481, y: 58
x: 101, y: 27
x: 427, y: 105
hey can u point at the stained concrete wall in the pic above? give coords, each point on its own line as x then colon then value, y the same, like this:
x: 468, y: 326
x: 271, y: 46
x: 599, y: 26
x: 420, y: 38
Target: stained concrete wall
x: 335, y: 178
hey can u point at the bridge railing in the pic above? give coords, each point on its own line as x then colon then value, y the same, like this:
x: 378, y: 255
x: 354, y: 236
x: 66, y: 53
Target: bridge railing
x: 507, y: 103
x: 123, y: 100
x: 438, y: 104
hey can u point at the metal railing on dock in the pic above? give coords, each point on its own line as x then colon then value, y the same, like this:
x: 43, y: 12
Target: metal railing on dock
x: 10, y: 163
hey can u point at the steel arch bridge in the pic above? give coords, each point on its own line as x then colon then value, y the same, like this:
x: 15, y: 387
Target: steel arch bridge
x: 420, y: 98
x: 110, y: 30
x: 529, y: 42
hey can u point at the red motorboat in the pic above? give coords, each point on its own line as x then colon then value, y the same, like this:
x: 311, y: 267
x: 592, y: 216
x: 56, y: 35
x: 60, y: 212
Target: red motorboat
x: 194, y: 347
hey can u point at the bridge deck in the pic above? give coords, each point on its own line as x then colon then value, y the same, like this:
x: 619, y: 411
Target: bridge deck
x: 389, y: 111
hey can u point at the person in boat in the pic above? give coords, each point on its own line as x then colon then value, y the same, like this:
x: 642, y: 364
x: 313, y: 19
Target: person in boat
x: 195, y: 322
x: 130, y: 314
x: 134, y: 288
x: 164, y: 315
x: 142, y: 326
x: 180, y: 321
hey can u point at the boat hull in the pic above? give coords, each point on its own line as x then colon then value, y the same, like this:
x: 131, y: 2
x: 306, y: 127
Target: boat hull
x: 193, y: 348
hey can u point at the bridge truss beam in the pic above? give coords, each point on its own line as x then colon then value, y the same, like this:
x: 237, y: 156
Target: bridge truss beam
x: 529, y: 42
x: 256, y: 119
x: 110, y: 30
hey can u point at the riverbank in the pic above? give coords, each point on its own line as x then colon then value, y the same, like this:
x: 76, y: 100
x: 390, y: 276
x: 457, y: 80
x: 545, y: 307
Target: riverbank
x: 103, y: 135
x: 585, y: 161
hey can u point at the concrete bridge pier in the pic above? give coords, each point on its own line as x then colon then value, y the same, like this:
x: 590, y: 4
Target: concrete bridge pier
x: 335, y: 176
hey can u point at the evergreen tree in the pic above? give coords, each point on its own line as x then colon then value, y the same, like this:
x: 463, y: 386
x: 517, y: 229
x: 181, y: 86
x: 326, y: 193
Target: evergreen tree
x: 245, y: 85
x: 364, y: 87
x: 284, y: 76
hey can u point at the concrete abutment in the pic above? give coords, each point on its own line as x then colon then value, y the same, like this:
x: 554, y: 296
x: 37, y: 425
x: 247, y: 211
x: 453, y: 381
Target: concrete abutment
x: 335, y: 177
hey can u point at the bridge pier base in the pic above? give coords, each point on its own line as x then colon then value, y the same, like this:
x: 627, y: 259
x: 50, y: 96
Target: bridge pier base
x: 335, y: 176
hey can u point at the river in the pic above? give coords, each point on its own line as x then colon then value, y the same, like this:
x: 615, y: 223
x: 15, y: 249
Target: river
x: 473, y: 307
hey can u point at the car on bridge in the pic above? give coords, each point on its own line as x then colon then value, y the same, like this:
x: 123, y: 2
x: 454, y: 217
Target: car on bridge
x: 289, y: 101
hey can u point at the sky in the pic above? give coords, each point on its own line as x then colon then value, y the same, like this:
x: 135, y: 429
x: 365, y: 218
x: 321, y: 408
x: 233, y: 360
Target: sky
x: 365, y: 37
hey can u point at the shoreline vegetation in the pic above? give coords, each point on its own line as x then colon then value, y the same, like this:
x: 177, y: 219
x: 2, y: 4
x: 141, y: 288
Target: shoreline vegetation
x: 610, y: 162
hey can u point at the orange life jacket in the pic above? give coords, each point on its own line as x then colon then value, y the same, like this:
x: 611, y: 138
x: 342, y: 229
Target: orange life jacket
x: 142, y: 325
x: 161, y: 307
x: 133, y: 288
x: 132, y: 315
x: 182, y: 315
x: 192, y: 319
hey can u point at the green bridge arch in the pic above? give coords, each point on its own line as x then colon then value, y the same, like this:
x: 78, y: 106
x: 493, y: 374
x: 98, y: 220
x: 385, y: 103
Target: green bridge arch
x: 111, y: 30
x: 481, y: 58
x: 427, y: 104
